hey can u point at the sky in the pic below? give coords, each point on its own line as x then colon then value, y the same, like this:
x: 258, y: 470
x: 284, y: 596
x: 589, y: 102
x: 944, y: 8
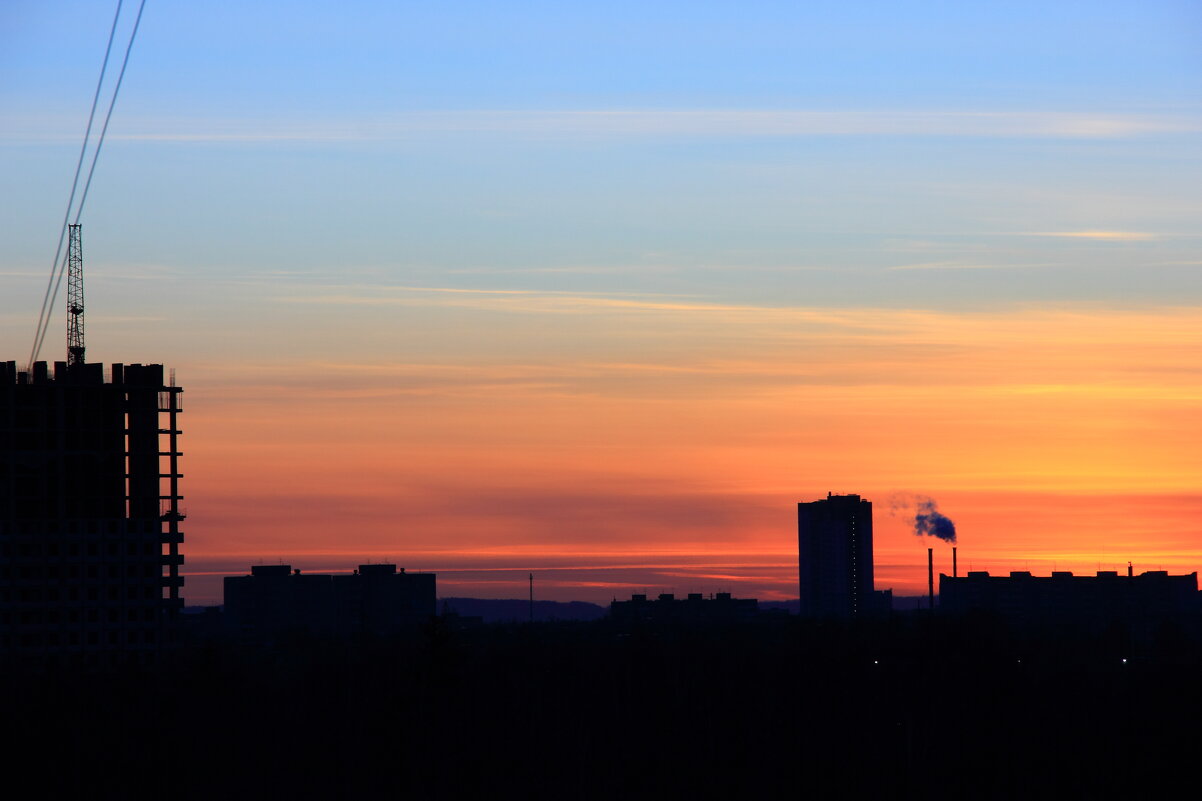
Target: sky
x: 600, y: 291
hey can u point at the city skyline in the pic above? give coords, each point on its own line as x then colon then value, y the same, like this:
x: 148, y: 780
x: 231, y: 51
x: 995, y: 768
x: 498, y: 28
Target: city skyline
x: 605, y: 297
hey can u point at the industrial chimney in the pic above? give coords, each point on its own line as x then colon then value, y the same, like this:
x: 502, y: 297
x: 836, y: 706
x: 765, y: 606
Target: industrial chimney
x: 931, y: 579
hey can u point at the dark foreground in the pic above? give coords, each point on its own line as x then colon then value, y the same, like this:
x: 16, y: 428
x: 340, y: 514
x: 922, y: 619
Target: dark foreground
x: 913, y: 708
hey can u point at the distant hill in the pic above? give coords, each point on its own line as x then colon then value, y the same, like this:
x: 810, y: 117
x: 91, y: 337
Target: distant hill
x: 793, y: 606
x: 506, y: 610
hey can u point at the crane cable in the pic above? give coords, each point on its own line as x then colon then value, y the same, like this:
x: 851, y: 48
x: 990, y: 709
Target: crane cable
x: 74, y: 185
x: 58, y: 268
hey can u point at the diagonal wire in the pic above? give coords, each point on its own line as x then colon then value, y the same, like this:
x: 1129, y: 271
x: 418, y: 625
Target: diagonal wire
x: 92, y: 168
x: 54, y: 266
x: 95, y: 156
x: 109, y: 115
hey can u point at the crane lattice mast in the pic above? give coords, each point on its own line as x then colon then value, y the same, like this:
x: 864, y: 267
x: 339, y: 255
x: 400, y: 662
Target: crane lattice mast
x: 75, y: 346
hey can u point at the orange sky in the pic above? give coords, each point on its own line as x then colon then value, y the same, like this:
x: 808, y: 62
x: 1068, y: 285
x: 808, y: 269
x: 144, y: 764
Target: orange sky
x: 615, y: 444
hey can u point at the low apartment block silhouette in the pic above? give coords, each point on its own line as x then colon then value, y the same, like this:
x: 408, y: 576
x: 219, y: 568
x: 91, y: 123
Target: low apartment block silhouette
x: 375, y: 599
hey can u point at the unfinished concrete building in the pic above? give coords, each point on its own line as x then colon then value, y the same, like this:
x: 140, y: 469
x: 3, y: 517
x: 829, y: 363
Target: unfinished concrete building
x: 89, y: 511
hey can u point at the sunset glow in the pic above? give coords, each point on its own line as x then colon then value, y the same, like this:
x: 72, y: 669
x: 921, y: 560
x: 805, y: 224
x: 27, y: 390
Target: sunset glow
x: 1056, y: 438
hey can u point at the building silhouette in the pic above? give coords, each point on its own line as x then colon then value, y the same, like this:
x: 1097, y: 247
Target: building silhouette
x: 1087, y: 602
x: 89, y: 510
x: 695, y: 608
x: 834, y: 558
x: 375, y: 599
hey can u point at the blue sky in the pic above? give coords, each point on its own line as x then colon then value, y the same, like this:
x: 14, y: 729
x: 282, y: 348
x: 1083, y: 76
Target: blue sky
x: 913, y: 155
x: 363, y: 57
x: 831, y: 153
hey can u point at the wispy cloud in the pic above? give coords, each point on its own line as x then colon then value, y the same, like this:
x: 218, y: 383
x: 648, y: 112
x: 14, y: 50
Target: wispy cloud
x: 1107, y: 236
x: 126, y: 319
x: 634, y: 122
x: 512, y: 299
x: 598, y: 269
x: 959, y: 265
x: 917, y: 324
x: 526, y: 302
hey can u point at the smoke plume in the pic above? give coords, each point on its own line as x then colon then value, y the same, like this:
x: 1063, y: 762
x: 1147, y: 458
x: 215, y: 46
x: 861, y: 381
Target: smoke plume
x: 923, y: 514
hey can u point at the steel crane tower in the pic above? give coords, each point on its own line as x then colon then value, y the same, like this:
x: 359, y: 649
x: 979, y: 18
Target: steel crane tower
x: 75, y: 346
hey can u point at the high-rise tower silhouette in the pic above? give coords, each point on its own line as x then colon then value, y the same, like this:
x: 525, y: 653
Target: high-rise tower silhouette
x: 834, y: 539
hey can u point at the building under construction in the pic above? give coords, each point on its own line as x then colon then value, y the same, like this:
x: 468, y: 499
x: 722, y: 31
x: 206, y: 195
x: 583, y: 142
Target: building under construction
x: 89, y: 510
x: 89, y: 478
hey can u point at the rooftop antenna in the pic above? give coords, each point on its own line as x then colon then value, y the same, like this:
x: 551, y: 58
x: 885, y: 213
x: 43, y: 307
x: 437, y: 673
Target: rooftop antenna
x: 75, y: 344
